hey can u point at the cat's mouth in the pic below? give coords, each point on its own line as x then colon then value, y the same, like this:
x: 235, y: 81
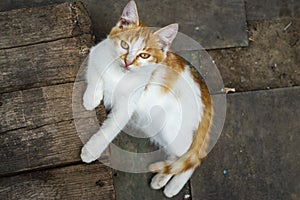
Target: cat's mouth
x: 124, y: 67
x: 127, y: 65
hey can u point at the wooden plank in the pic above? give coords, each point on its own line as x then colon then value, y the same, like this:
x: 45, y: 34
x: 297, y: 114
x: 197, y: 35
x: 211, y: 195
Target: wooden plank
x: 259, y: 149
x: 42, y: 64
x: 38, y: 130
x: 49, y: 145
x: 35, y: 25
x: 42, y: 106
x: 36, y: 107
x: 74, y: 182
x: 9, y: 4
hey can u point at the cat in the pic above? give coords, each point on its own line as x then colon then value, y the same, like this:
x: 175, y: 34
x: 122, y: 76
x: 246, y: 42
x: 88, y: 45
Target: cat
x: 133, y: 71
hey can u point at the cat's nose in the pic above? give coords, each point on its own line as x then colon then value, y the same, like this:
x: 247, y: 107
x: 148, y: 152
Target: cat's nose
x: 127, y: 63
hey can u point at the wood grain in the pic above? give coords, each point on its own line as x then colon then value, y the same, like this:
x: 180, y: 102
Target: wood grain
x: 35, y: 25
x: 74, y: 182
x: 41, y: 52
x: 49, y: 145
x: 42, y: 64
x: 38, y: 130
x: 36, y: 107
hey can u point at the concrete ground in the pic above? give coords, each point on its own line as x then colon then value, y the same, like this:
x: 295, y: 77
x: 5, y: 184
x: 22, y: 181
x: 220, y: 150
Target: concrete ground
x: 259, y: 146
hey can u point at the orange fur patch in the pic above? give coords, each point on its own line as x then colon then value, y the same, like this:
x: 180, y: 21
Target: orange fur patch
x: 116, y: 30
x: 202, y: 133
x: 176, y: 65
x: 133, y: 32
x: 174, y: 62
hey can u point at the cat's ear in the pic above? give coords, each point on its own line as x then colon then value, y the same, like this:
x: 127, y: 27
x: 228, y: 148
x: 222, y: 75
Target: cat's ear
x: 129, y: 16
x: 166, y: 35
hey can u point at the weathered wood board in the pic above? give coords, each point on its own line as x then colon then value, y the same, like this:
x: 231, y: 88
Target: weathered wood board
x: 39, y: 25
x: 42, y: 64
x: 46, y: 146
x: 35, y: 43
x: 41, y: 52
x: 38, y: 130
x: 36, y: 107
x: 72, y: 182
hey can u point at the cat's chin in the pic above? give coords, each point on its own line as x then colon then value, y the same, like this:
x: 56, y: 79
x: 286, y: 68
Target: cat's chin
x: 125, y: 69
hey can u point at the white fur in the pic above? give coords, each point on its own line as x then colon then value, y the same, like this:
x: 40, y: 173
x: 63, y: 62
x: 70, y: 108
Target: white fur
x: 106, y: 75
x: 169, y: 119
x: 160, y: 180
x: 176, y: 133
x: 177, y: 183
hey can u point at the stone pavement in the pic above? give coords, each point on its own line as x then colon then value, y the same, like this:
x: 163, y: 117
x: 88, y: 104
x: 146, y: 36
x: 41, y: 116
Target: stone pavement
x: 259, y: 149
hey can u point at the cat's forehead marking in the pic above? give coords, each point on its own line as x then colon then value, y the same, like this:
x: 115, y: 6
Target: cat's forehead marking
x: 133, y: 35
x: 138, y: 44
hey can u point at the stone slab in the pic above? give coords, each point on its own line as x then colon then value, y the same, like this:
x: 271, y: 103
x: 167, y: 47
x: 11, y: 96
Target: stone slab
x: 137, y: 186
x: 259, y: 149
x: 271, y: 60
x: 272, y: 9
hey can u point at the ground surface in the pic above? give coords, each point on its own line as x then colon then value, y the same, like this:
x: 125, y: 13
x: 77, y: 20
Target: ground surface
x: 270, y: 61
x: 259, y: 146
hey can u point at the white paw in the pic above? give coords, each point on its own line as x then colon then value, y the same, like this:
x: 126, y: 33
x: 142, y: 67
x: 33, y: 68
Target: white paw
x: 176, y: 184
x: 159, y: 181
x: 86, y: 155
x: 90, y: 102
x: 171, y: 190
x: 93, y: 149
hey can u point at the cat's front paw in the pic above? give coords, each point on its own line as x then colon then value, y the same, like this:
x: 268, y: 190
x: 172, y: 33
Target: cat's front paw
x: 86, y: 155
x: 90, y: 102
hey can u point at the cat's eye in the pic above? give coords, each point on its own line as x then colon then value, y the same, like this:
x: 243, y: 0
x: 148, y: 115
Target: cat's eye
x: 144, y: 55
x: 124, y: 45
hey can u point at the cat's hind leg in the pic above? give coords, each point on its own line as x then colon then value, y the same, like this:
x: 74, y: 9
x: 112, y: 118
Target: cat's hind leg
x: 160, y: 180
x: 177, y: 183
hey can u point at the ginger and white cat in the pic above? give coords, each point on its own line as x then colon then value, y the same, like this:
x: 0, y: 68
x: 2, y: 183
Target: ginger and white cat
x: 133, y: 71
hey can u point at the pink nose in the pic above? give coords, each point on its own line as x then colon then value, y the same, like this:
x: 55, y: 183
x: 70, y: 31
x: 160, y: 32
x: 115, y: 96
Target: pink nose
x: 127, y: 63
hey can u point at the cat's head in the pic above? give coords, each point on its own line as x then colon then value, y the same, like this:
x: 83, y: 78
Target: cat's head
x: 137, y: 45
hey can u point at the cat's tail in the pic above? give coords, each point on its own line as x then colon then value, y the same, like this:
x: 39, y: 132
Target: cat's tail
x: 198, y: 149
